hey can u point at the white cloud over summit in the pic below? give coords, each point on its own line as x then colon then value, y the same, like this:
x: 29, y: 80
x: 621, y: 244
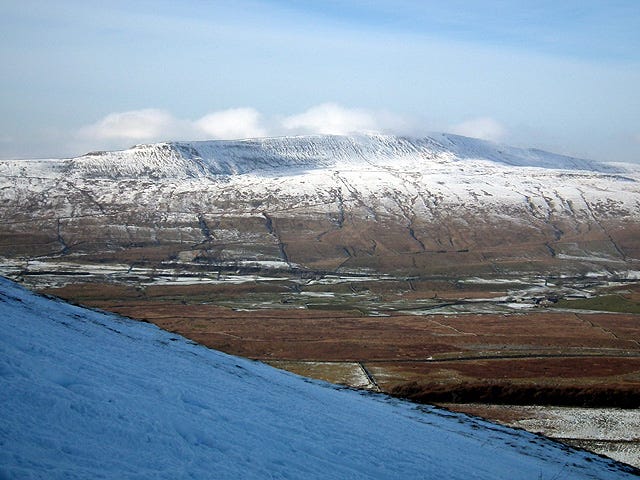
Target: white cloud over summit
x: 120, y: 129
x: 144, y: 125
x: 332, y: 119
x: 153, y: 125
x: 231, y: 124
x: 485, y: 128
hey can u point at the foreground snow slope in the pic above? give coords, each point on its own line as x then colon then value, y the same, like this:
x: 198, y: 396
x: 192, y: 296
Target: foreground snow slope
x: 90, y: 395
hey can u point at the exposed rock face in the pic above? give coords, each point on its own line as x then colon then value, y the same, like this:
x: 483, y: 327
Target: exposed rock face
x: 439, y: 205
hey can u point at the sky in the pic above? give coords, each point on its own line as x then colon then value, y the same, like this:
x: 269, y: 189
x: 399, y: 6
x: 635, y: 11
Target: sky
x: 88, y: 75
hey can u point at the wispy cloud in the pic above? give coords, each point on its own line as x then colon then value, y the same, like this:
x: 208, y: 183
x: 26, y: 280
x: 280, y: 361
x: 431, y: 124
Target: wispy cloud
x: 485, y: 128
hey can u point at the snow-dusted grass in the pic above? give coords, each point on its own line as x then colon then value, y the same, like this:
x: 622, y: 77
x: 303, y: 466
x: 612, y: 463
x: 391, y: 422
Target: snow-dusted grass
x: 343, y: 373
x: 608, y: 431
x: 90, y: 395
x: 584, y: 423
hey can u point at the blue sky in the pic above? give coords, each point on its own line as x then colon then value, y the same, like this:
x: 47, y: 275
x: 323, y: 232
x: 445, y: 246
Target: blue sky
x: 86, y: 75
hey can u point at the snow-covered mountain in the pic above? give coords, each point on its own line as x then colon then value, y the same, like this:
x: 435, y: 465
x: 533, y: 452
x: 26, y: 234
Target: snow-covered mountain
x: 309, y: 152
x: 207, y: 158
x: 416, y: 206
x: 90, y: 395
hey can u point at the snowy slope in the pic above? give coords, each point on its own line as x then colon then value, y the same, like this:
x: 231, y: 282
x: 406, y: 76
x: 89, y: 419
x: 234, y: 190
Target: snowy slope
x: 221, y: 157
x: 90, y: 395
x: 473, y: 148
x: 321, y: 151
